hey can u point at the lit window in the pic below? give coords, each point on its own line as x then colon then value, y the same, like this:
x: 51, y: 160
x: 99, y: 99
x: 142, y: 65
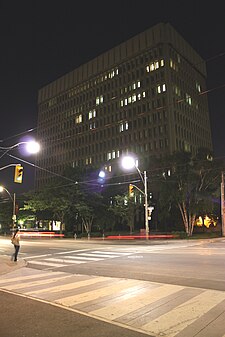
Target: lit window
x: 162, y: 63
x: 113, y: 154
x: 134, y: 85
x: 92, y: 114
x: 148, y: 69
x: 92, y: 126
x: 121, y: 127
x: 198, y: 87
x: 188, y: 99
x: 125, y: 101
x: 164, y: 87
x: 129, y: 99
x: 152, y: 67
x: 78, y: 119
x: 118, y: 154
x: 109, y: 156
x: 121, y: 103
x: 138, y: 84
x: 158, y: 89
x: 126, y: 126
x: 134, y: 98
x: 139, y: 97
x: 99, y: 100
x: 144, y: 94
x: 156, y: 65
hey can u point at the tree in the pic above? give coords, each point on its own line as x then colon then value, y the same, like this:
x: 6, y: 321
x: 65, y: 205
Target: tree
x: 190, y: 183
x: 6, y: 216
x: 73, y: 201
x: 55, y: 198
x: 89, y: 208
x: 124, y: 208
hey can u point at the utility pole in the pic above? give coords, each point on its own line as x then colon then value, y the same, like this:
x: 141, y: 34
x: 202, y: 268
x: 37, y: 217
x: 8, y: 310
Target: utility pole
x: 14, y: 210
x: 146, y: 205
x: 222, y: 206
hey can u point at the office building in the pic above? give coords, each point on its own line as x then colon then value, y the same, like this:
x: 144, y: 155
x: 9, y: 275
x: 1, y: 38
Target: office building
x: 145, y: 96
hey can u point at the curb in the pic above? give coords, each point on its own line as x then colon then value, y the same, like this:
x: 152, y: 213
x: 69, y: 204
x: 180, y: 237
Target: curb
x: 7, y: 266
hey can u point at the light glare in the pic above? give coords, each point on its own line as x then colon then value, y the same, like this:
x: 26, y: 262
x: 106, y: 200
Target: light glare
x: 128, y: 162
x: 33, y: 147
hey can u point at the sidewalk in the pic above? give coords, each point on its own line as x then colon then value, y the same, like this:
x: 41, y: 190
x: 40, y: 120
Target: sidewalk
x: 6, y: 265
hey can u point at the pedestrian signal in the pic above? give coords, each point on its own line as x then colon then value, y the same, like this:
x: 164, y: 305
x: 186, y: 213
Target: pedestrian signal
x: 131, y: 190
x: 18, y: 176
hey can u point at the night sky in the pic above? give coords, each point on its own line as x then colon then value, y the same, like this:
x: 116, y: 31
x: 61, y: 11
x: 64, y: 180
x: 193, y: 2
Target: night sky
x: 43, y: 40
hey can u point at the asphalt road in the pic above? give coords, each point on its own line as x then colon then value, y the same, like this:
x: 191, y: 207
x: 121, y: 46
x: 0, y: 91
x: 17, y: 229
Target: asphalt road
x: 23, y: 317
x: 112, y: 274
x: 198, y: 263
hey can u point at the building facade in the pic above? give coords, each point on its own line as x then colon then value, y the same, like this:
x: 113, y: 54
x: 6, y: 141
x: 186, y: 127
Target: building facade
x: 145, y: 96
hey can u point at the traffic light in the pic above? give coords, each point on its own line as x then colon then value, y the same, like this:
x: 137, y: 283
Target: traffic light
x: 18, y: 176
x: 131, y: 190
x: 150, y: 209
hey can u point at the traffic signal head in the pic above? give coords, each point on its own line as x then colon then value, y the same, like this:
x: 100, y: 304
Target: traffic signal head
x: 131, y: 190
x: 18, y: 176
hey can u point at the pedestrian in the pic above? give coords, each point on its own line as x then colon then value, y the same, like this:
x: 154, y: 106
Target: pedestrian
x: 16, y: 242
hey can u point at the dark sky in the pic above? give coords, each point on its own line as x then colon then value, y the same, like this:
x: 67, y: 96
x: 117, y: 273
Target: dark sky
x: 42, y: 40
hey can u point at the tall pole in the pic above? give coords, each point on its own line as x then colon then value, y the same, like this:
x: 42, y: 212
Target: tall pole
x: 146, y: 205
x: 222, y: 206
x: 14, y: 210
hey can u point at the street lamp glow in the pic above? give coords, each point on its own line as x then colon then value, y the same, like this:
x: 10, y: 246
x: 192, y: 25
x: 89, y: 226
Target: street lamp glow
x: 1, y: 188
x: 32, y: 147
x: 128, y: 162
x: 101, y: 174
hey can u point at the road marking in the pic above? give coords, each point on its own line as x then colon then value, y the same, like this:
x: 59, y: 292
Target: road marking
x: 97, y: 255
x: 65, y: 261
x: 85, y: 258
x: 73, y: 251
x: 94, y: 294
x: 36, y: 256
x: 36, y: 282
x: 111, y: 253
x: 47, y: 264
x: 69, y: 286
x: 28, y: 277
x: 147, y: 296
x: 171, y: 323
x: 151, y: 308
x: 80, y: 257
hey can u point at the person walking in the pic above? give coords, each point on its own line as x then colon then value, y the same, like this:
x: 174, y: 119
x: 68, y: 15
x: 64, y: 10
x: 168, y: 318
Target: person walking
x: 16, y: 242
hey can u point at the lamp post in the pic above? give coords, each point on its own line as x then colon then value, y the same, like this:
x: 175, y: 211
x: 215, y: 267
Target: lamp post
x: 13, y: 201
x: 128, y: 163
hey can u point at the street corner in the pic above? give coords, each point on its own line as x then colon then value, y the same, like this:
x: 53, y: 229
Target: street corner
x: 7, y: 265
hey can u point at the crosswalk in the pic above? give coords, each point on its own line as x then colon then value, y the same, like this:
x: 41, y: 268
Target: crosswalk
x: 74, y: 257
x: 152, y: 308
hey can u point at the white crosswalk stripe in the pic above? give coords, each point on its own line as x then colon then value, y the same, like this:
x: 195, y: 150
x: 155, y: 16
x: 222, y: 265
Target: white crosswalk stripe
x: 152, y: 308
x: 46, y: 261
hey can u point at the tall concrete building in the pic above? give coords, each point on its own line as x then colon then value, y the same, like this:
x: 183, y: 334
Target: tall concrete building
x: 145, y: 96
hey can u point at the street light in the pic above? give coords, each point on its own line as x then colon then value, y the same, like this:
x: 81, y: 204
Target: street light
x: 2, y: 189
x: 32, y: 147
x: 128, y: 163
